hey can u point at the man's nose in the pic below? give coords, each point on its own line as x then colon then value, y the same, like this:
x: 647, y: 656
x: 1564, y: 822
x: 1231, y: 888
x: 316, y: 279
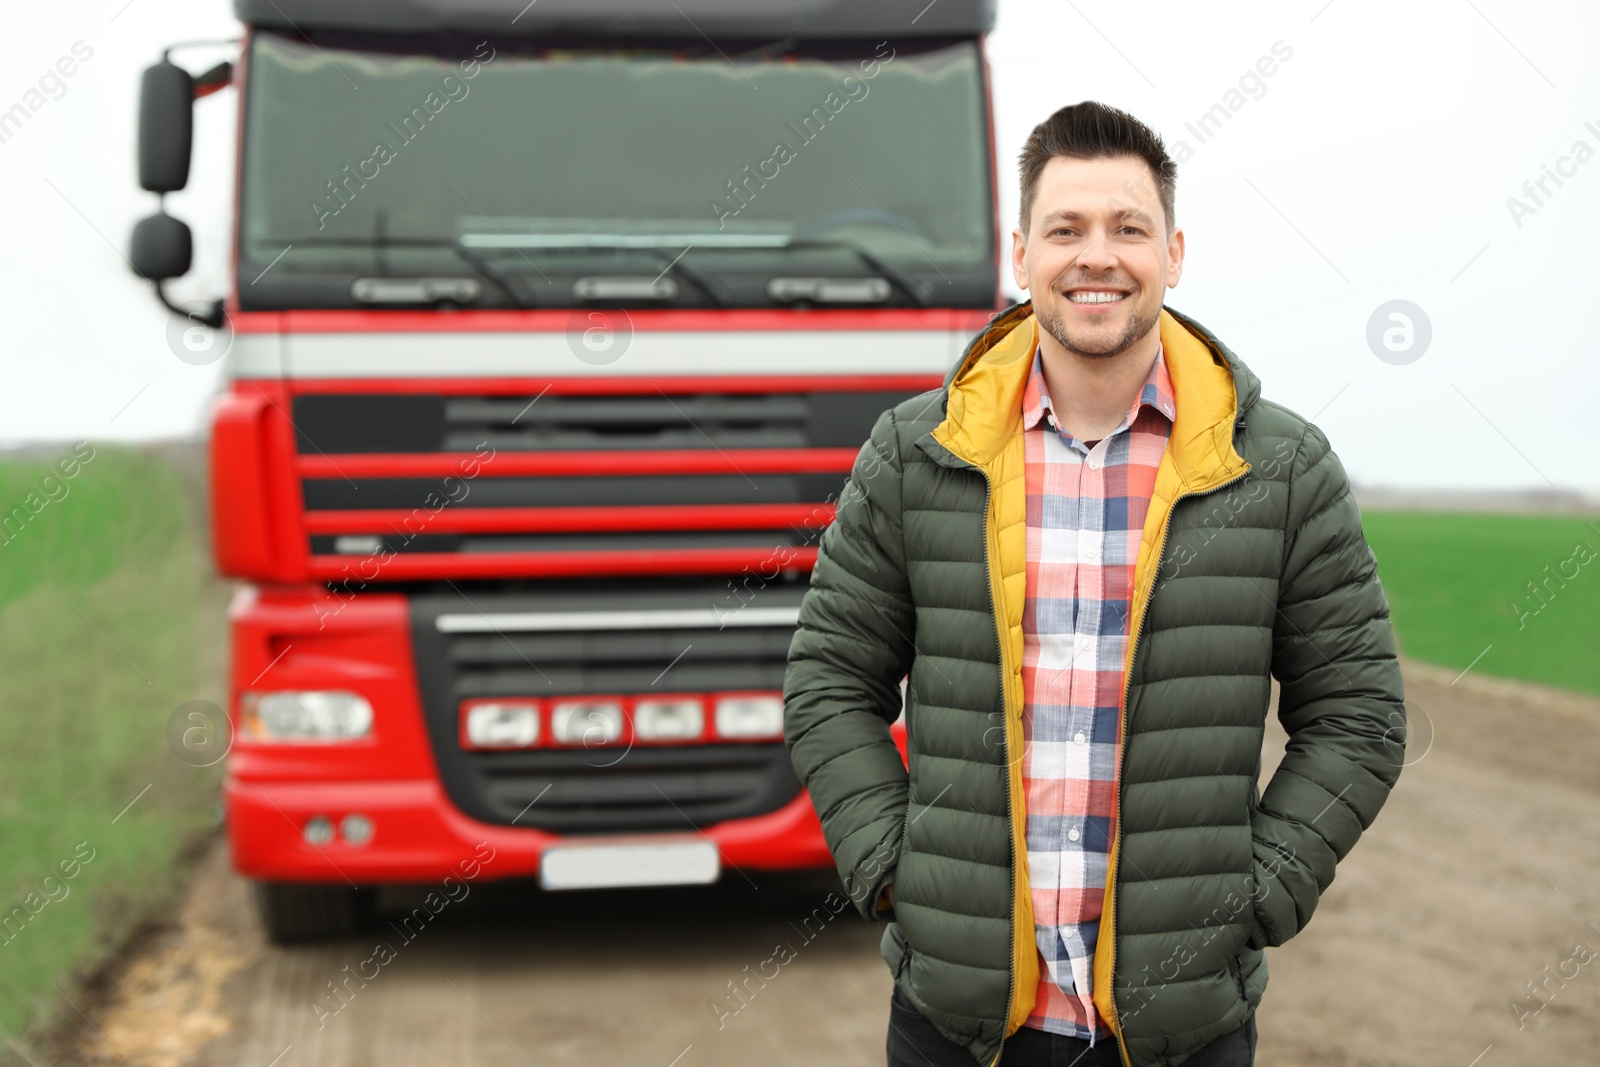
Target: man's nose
x: 1096, y: 254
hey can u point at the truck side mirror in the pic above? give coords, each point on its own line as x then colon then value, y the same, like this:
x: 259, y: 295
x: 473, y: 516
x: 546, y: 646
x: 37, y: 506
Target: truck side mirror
x: 166, y: 128
x: 162, y: 248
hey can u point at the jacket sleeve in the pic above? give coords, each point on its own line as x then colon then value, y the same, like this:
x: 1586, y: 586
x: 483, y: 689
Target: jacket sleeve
x: 842, y: 685
x: 1340, y: 699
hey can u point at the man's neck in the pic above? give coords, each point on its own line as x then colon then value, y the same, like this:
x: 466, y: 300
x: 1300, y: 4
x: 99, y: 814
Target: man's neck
x: 1091, y: 395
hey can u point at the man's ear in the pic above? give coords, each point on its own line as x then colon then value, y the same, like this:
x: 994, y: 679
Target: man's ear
x: 1019, y: 259
x: 1174, y: 258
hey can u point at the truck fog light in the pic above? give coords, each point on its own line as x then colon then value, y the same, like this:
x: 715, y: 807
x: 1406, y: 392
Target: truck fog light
x: 318, y: 831
x: 500, y: 724
x: 586, y: 722
x: 319, y: 715
x: 668, y: 719
x: 750, y: 715
x: 356, y: 829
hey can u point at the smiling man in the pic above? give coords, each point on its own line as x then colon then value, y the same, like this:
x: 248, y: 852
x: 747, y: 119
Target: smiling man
x: 1092, y: 549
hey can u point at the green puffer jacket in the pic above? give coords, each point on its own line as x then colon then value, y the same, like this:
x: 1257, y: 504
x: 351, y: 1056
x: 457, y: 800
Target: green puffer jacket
x: 1252, y: 565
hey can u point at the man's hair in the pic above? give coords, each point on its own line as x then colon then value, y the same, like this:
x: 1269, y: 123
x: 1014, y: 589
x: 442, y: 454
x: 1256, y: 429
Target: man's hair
x: 1092, y: 130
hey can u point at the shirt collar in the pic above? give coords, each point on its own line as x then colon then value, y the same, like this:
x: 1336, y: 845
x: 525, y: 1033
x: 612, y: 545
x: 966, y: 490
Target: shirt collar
x: 1155, y: 393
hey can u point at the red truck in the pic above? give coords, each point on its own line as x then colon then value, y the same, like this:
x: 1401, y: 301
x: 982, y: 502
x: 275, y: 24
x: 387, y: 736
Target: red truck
x: 552, y: 333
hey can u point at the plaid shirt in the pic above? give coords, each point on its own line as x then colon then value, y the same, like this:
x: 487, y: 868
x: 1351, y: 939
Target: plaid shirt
x: 1086, y: 509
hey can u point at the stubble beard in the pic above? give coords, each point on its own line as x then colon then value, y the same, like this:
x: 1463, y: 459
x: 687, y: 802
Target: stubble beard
x: 1053, y: 324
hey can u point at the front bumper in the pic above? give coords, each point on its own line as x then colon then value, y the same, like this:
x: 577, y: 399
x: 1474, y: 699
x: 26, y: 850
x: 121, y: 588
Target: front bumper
x: 420, y: 837
x: 307, y: 638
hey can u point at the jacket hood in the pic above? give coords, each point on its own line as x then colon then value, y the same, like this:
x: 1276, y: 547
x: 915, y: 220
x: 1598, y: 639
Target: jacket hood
x: 1212, y: 387
x: 1247, y: 386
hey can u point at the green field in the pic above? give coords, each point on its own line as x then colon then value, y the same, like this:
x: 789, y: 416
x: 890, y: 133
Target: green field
x: 108, y: 621
x: 1460, y: 584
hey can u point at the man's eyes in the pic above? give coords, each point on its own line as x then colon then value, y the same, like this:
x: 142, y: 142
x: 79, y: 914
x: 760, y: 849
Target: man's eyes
x: 1125, y: 229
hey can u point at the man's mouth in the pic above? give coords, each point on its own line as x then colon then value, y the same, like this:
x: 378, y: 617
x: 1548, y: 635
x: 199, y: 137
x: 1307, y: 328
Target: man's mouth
x: 1096, y: 296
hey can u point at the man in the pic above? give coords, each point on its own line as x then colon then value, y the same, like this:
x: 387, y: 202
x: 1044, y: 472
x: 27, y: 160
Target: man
x: 1091, y: 549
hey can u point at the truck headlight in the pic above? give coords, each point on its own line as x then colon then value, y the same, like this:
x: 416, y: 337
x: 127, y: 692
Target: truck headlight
x: 752, y: 715
x: 317, y: 715
x: 586, y: 722
x: 668, y: 718
x: 500, y: 724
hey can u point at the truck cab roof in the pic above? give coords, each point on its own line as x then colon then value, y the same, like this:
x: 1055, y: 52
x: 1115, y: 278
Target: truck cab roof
x: 727, y: 19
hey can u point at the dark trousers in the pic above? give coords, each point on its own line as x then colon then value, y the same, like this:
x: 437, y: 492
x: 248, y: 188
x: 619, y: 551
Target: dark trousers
x: 914, y: 1042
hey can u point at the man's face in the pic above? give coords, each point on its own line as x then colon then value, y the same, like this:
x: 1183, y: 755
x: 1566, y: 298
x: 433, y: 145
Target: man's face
x: 1097, y: 259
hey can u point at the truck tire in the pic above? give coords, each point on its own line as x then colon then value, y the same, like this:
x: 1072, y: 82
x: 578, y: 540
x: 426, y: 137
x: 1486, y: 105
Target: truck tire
x: 295, y: 913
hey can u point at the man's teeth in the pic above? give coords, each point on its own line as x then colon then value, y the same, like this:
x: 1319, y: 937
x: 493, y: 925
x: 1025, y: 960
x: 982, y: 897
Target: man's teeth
x: 1084, y: 297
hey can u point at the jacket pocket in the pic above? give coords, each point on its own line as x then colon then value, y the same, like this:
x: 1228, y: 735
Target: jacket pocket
x: 896, y: 953
x: 1238, y: 978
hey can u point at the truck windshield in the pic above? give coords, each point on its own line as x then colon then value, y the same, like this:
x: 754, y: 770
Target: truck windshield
x: 503, y: 173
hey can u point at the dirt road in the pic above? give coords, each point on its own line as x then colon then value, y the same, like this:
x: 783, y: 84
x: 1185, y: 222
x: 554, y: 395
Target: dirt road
x: 1479, y: 876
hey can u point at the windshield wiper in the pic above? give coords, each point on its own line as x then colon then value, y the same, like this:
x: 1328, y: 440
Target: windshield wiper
x: 596, y: 242
x: 679, y: 268
x: 659, y: 243
x: 564, y: 243
x: 485, y: 270
x: 902, y: 281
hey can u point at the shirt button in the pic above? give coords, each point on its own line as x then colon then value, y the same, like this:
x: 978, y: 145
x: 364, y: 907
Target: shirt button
x: 1092, y: 551
x: 1072, y: 834
x: 1079, y: 739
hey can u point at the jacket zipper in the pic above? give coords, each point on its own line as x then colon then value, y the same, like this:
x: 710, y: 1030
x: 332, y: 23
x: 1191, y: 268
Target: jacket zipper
x: 1122, y: 750
x: 994, y: 607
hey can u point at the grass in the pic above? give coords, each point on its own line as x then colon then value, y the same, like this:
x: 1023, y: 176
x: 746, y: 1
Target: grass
x: 108, y: 622
x: 1460, y: 585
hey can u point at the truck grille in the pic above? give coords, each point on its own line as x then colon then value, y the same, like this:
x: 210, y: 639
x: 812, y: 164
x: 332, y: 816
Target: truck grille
x: 583, y: 478
x: 575, y: 422
x: 606, y: 788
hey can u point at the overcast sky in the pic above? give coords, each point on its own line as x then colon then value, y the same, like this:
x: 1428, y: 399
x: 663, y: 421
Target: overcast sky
x: 1377, y: 163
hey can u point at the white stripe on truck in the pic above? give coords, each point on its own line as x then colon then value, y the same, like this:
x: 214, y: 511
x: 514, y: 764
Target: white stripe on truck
x: 545, y: 354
